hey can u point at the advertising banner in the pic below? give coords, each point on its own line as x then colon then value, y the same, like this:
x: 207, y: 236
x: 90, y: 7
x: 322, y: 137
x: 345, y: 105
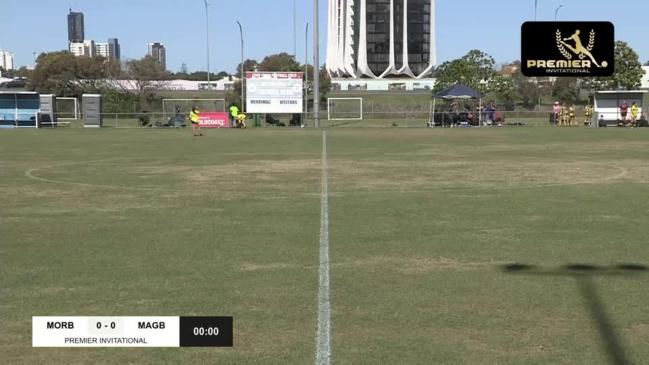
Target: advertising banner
x: 274, y: 92
x: 214, y: 120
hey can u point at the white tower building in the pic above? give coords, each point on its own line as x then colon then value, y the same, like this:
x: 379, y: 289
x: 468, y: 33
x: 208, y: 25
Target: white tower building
x: 379, y: 38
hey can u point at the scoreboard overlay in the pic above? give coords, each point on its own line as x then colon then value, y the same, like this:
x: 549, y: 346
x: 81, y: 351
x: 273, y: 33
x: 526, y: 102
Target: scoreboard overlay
x: 77, y: 331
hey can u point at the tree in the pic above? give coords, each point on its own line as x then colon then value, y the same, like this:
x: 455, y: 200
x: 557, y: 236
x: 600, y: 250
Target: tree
x: 248, y: 65
x: 567, y: 90
x: 279, y: 62
x: 628, y: 70
x: 503, y: 87
x: 475, y: 70
x: 147, y: 76
x: 63, y: 74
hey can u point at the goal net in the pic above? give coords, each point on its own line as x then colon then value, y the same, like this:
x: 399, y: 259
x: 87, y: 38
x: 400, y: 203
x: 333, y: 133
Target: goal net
x: 171, y: 106
x: 67, y: 108
x: 345, y: 108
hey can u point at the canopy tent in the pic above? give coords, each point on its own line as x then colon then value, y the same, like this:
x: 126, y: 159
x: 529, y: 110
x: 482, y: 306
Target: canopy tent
x: 455, y: 92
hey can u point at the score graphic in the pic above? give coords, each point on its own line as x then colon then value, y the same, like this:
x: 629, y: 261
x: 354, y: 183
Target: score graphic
x: 132, y: 332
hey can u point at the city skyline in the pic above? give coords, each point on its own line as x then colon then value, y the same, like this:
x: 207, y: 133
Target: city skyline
x: 461, y: 26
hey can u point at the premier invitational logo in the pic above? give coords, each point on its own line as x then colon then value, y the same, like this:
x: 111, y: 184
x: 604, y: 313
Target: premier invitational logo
x: 567, y: 49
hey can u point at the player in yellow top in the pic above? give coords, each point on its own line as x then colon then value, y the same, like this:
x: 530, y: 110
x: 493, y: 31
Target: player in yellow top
x: 635, y: 112
x: 241, y: 120
x: 194, y: 118
x: 588, y: 113
x: 571, y: 116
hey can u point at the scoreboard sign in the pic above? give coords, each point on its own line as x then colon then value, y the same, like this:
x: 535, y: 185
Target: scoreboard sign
x: 274, y: 92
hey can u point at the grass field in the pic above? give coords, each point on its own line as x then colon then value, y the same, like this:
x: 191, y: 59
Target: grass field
x: 423, y: 225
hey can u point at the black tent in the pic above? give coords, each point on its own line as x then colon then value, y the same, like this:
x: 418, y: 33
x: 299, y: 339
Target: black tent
x: 457, y: 91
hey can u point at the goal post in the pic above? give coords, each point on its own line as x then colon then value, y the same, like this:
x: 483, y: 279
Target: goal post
x: 67, y: 108
x: 345, y: 108
x: 171, y: 106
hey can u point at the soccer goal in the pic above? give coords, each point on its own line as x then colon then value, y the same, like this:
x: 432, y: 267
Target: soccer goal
x: 67, y: 108
x: 345, y: 108
x: 172, y: 106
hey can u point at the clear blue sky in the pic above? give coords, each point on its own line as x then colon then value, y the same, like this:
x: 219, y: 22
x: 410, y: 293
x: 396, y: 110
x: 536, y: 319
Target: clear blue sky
x: 28, y: 26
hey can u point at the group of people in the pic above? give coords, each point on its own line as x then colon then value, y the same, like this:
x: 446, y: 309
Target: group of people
x: 237, y: 119
x: 634, y: 114
x: 565, y: 115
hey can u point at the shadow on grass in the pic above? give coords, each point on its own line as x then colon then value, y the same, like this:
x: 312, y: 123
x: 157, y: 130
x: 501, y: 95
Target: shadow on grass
x: 584, y: 274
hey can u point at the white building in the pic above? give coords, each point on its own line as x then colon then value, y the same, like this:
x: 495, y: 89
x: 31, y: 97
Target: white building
x: 87, y: 48
x: 378, y: 38
x: 102, y: 49
x: 645, y: 78
x: 6, y: 60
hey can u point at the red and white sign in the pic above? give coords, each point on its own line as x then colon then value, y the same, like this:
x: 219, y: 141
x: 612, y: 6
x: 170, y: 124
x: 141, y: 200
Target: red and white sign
x: 213, y: 120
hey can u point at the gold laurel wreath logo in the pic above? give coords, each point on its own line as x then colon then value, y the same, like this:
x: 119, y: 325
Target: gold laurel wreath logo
x: 562, y: 49
x: 591, y: 43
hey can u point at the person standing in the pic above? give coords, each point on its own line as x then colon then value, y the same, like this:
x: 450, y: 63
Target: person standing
x: 624, y: 109
x: 588, y: 113
x: 556, y: 110
x: 234, y: 111
x: 571, y: 116
x: 194, y: 118
x: 635, y: 113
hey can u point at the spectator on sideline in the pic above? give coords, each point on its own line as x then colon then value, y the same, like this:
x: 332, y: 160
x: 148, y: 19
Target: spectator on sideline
x: 624, y: 108
x: 556, y: 109
x: 588, y: 113
x: 234, y: 111
x: 194, y: 118
x: 635, y: 111
x: 571, y: 115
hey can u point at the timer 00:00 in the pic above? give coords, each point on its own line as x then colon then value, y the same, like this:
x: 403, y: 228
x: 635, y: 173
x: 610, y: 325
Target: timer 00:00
x: 209, y: 331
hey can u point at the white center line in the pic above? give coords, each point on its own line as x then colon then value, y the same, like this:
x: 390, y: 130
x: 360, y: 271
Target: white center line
x: 323, y: 340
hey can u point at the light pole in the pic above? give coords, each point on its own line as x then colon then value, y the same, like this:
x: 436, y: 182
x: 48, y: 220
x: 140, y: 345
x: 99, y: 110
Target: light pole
x: 557, y: 12
x: 207, y: 36
x: 316, y: 66
x: 243, y: 77
x: 536, y: 6
x: 306, y: 73
x: 294, y: 31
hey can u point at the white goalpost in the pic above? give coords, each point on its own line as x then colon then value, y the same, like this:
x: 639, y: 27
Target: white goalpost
x: 67, y: 108
x: 345, y: 108
x: 172, y: 106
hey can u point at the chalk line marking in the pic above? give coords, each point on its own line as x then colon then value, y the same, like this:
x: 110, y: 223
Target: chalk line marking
x: 323, y: 338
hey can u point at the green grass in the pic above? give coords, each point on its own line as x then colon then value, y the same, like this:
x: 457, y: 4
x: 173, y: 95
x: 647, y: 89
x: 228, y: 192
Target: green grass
x: 155, y: 222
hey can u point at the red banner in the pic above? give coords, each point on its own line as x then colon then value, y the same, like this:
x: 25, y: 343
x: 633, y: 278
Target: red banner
x: 214, y: 120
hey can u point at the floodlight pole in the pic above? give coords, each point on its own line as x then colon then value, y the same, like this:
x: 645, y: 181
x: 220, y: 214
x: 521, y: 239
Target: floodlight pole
x: 294, y: 30
x: 556, y: 12
x: 243, y: 77
x: 316, y: 66
x: 536, y: 6
x: 207, y: 36
x: 306, y: 72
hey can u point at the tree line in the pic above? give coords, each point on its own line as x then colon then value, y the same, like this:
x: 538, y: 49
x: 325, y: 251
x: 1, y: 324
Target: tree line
x: 477, y: 70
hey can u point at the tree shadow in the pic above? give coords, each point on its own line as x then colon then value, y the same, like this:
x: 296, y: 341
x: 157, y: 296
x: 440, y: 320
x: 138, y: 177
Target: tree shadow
x: 584, y: 275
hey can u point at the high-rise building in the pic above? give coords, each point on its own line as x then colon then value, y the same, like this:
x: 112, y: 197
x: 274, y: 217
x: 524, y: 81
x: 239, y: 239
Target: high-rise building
x: 103, y: 50
x: 75, y: 27
x: 114, y: 50
x: 86, y: 48
x: 158, y: 51
x: 6, y: 60
x: 379, y: 38
x: 109, y: 50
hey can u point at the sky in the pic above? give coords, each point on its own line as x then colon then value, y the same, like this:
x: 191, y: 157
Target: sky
x: 28, y: 26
